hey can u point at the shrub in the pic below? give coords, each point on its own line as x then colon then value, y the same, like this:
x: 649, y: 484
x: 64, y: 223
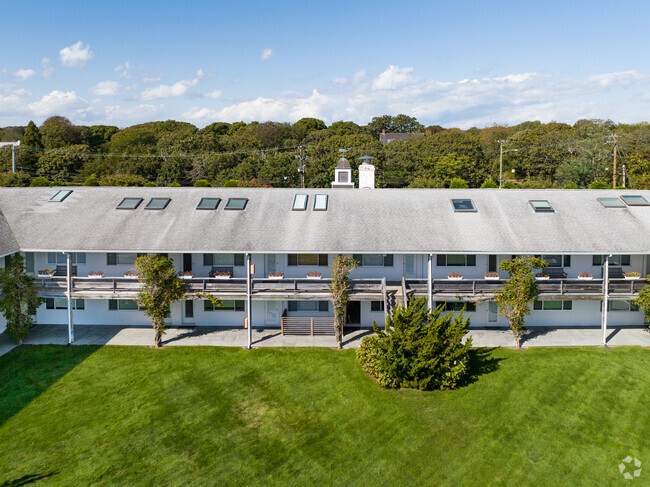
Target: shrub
x: 420, y: 349
x: 231, y: 183
x: 175, y: 184
x: 150, y: 184
x: 58, y: 182
x: 91, y: 180
x: 508, y: 185
x: 39, y: 181
x: 122, y: 180
x: 599, y: 184
x: 571, y: 186
x: 14, y: 179
x: 458, y: 183
x: 201, y: 183
x: 489, y: 183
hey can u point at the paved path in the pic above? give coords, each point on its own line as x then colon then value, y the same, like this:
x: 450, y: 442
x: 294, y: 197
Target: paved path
x: 228, y: 337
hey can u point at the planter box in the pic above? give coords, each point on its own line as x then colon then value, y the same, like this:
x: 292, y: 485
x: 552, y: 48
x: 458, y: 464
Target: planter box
x: 185, y: 277
x: 314, y: 277
x: 130, y: 277
x: 542, y: 278
x: 585, y: 278
x: 454, y: 278
x: 632, y: 278
x: 95, y: 277
x: 223, y: 278
x: 44, y: 276
x: 276, y: 277
x: 492, y: 278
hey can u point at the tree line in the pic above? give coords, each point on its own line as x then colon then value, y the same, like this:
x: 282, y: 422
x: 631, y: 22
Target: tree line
x: 535, y: 154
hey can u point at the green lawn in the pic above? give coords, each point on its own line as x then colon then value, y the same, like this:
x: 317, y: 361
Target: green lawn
x: 225, y: 416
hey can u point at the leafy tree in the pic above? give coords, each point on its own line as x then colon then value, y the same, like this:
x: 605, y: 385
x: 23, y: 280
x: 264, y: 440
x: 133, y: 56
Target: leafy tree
x: 216, y: 128
x: 344, y: 128
x: 571, y: 186
x: 30, y: 146
x: 518, y: 292
x: 14, y: 179
x: 305, y: 126
x: 459, y: 183
x: 508, y: 185
x: 160, y: 288
x: 339, y: 288
x: 599, y: 184
x: 122, y: 180
x: 643, y: 300
x: 489, y: 183
x: 425, y: 182
x: 63, y: 163
x: 418, y: 349
x: 39, y: 181
x: 91, y: 180
x: 57, y: 132
x: 19, y: 299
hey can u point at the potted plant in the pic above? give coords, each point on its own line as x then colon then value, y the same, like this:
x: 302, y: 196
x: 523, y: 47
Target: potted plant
x: 186, y: 274
x: 542, y: 276
x: 276, y: 275
x: 492, y: 276
x: 131, y: 274
x: 222, y: 275
x: 585, y: 276
x: 45, y: 273
x: 632, y: 275
x: 95, y: 274
x: 314, y: 275
x: 455, y: 276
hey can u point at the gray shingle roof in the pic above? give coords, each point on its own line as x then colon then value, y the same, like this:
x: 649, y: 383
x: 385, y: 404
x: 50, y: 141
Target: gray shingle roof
x: 8, y: 244
x: 371, y: 221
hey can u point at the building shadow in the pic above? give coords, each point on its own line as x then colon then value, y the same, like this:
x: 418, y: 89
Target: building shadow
x: 28, y: 371
x: 357, y: 335
x: 532, y: 333
x: 27, y: 479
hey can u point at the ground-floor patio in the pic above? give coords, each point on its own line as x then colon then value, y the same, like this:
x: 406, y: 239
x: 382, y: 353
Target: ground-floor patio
x: 271, y: 337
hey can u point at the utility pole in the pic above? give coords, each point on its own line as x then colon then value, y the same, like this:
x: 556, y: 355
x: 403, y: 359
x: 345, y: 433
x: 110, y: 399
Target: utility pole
x: 624, y: 175
x: 501, y: 142
x: 613, y: 139
x: 13, y: 153
x: 302, y: 169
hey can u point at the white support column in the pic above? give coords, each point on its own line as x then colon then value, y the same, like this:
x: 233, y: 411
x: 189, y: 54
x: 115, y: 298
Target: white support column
x: 429, y: 281
x: 249, y: 301
x: 69, y: 296
x: 605, y: 299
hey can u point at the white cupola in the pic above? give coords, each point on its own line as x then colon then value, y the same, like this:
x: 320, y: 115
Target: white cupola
x: 366, y: 173
x: 343, y: 174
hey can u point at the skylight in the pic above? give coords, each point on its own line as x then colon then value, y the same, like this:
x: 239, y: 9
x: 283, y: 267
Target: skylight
x: 463, y: 205
x: 61, y: 195
x: 541, y: 205
x: 300, y: 202
x: 236, y: 204
x: 612, y: 203
x: 208, y: 203
x: 157, y: 204
x: 129, y: 203
x: 634, y: 200
x: 320, y: 202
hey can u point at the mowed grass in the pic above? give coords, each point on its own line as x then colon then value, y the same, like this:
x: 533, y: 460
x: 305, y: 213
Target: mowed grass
x: 225, y: 416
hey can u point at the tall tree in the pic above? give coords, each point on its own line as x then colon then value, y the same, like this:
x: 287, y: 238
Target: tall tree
x: 19, y: 299
x: 59, y: 132
x: 160, y: 288
x: 339, y: 288
x: 518, y: 292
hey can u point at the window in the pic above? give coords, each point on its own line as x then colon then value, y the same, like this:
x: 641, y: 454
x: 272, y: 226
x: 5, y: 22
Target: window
x: 129, y: 203
x: 374, y: 260
x: 307, y: 259
x: 60, y: 196
x: 320, y: 202
x: 619, y: 305
x: 376, y: 306
x: 123, y: 305
x: 613, y: 260
x: 62, y: 303
x: 61, y: 258
x: 308, y: 306
x: 457, y: 306
x: 227, y: 305
x: 634, y: 200
x: 463, y: 205
x: 541, y: 205
x: 210, y: 260
x: 300, y: 202
x: 236, y: 203
x: 208, y: 203
x: 455, y: 260
x: 121, y: 259
x: 556, y: 260
x: 552, y: 305
x: 157, y: 204
x: 612, y: 202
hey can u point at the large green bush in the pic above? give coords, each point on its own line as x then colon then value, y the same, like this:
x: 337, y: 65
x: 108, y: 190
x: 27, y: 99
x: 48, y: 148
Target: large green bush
x: 419, y: 349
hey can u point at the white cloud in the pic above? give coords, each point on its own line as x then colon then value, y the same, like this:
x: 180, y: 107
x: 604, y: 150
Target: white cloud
x: 140, y: 112
x: 214, y: 94
x: 394, y: 77
x: 76, y: 55
x: 23, y: 74
x: 55, y: 102
x: 267, y: 54
x: 124, y: 70
x: 106, y: 88
x: 623, y: 78
x: 48, y: 70
x: 359, y: 76
x: 149, y: 80
x: 169, y: 91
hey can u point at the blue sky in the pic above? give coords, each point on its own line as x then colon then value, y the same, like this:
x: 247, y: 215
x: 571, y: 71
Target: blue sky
x: 462, y: 63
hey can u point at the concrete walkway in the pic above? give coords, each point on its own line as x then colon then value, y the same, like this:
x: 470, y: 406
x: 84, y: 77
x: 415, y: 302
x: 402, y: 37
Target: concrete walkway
x: 229, y: 337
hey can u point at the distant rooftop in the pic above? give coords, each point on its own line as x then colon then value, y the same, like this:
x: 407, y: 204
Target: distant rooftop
x: 385, y: 138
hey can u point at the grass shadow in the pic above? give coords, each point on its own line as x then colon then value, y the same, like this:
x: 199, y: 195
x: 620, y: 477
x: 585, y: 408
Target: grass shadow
x: 28, y: 371
x: 27, y: 479
x: 481, y: 362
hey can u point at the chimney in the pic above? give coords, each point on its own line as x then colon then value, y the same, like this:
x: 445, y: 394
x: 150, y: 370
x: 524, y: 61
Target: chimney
x: 366, y: 173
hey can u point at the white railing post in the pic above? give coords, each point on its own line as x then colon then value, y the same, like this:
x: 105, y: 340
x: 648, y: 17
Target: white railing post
x: 605, y: 299
x: 69, y: 296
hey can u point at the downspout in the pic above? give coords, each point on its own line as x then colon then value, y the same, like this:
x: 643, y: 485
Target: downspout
x: 249, y: 302
x: 68, y: 265
x: 605, y: 298
x: 429, y: 282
